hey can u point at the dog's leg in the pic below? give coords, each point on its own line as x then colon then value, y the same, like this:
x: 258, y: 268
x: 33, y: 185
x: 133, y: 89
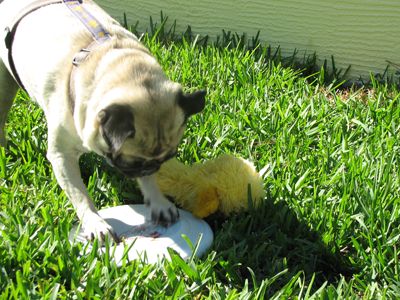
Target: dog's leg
x: 66, y: 169
x: 163, y: 212
x: 8, y: 91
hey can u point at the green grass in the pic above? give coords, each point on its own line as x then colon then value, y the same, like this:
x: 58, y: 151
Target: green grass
x: 327, y: 229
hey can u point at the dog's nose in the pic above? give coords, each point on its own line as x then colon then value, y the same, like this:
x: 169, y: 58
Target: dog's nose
x: 152, y: 164
x: 150, y: 169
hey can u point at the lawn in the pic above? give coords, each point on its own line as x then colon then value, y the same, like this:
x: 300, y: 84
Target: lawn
x: 327, y: 229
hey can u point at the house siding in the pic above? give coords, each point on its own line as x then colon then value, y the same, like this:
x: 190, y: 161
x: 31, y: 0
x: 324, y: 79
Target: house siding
x: 360, y: 33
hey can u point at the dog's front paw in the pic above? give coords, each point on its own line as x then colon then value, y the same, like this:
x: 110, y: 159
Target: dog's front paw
x: 94, y: 226
x: 162, y: 211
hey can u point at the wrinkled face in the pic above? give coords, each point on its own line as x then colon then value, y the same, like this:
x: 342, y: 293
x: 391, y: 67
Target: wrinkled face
x: 153, y: 141
x: 139, y: 137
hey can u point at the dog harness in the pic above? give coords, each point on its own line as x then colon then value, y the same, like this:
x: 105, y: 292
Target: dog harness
x: 98, y: 32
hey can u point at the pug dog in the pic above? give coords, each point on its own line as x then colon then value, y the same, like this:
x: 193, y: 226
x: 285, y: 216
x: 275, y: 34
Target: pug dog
x: 119, y: 103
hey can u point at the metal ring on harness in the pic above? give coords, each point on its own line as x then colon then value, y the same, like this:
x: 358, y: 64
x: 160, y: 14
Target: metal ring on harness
x: 76, y: 62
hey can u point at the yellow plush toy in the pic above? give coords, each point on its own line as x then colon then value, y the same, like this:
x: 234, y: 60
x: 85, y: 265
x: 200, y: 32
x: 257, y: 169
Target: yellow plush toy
x: 204, y: 188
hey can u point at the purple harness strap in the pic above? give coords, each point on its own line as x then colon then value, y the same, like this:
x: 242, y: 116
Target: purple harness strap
x: 92, y: 24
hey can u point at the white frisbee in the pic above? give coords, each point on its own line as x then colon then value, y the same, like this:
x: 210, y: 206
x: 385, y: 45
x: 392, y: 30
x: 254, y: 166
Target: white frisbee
x: 132, y: 222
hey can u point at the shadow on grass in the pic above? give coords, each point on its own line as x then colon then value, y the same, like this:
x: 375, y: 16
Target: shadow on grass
x: 270, y: 240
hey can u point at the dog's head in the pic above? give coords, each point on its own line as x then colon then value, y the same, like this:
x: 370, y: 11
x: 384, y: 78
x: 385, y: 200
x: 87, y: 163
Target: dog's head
x: 130, y: 111
x: 138, y: 135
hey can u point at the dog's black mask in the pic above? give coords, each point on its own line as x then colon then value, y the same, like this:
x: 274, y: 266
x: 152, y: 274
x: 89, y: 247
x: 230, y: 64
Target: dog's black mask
x: 139, y: 167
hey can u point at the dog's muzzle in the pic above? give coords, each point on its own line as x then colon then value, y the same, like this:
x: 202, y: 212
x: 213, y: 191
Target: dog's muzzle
x: 137, y: 168
x: 134, y: 173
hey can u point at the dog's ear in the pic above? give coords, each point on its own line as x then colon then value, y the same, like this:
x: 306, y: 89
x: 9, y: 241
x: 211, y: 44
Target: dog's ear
x: 116, y: 125
x: 192, y: 103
